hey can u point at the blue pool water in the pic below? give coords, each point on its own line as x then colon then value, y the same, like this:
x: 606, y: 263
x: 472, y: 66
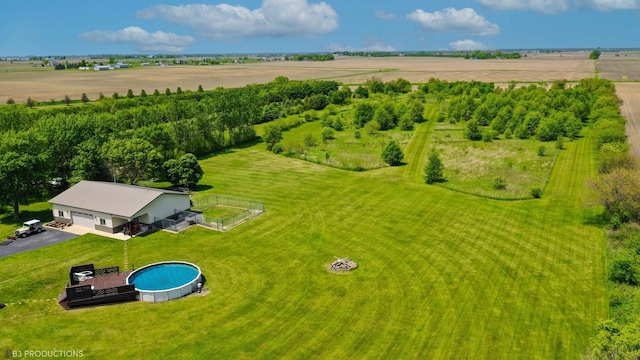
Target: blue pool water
x: 163, y: 276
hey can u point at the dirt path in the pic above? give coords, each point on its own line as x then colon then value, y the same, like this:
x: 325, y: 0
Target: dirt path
x: 630, y: 95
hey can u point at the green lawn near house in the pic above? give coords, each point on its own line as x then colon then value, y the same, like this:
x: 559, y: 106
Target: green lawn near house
x: 441, y: 274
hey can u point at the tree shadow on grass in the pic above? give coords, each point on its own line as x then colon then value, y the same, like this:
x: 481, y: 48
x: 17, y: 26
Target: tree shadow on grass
x: 202, y: 187
x: 232, y: 149
x: 42, y: 215
x: 599, y: 219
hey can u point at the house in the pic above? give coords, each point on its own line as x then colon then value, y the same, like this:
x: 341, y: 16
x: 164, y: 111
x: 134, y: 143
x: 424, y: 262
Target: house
x: 110, y: 207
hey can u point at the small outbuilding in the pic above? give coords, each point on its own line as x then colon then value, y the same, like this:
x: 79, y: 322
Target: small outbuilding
x: 113, y: 207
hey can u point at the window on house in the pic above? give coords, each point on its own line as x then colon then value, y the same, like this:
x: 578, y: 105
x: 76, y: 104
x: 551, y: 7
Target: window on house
x: 60, y: 213
x: 103, y: 222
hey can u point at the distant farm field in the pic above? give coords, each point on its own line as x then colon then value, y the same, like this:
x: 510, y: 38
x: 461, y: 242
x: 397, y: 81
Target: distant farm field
x: 22, y: 80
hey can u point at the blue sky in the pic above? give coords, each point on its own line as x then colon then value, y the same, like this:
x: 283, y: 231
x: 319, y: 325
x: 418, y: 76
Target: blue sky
x: 44, y: 28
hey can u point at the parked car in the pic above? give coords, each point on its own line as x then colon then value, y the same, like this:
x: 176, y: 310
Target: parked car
x: 28, y: 228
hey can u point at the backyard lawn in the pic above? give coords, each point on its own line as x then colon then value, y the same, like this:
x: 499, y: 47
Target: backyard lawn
x: 441, y: 274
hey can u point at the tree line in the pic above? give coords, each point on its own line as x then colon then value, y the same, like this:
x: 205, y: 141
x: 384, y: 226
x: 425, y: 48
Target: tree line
x: 135, y: 138
x: 476, y: 54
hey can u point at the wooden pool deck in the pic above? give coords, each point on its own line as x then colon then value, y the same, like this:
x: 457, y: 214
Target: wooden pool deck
x: 105, y: 290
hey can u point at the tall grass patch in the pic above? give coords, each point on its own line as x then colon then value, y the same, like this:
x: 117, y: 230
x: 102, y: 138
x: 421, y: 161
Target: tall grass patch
x: 349, y: 149
x: 473, y: 166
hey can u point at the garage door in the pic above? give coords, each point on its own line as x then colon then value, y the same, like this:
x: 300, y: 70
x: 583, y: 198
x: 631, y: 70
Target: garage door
x: 84, y: 220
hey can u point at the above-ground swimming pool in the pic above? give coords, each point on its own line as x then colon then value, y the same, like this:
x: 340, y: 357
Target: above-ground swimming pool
x: 165, y: 280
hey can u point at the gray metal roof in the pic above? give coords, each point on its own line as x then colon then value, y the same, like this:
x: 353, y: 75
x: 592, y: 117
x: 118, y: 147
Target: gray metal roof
x: 109, y: 198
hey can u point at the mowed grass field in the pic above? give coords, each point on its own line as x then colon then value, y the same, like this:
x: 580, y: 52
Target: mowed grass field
x: 441, y: 275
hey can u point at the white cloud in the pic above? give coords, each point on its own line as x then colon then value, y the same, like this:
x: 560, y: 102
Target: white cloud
x: 558, y: 6
x: 468, y: 45
x: 543, y: 6
x: 143, y: 40
x: 384, y: 15
x: 464, y: 21
x: 607, y: 5
x: 370, y: 44
x: 277, y: 18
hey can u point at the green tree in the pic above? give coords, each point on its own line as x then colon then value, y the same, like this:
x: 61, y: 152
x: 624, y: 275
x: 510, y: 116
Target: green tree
x: 615, y: 155
x: 67, y: 100
x: 327, y: 134
x: 384, y: 117
x: 131, y: 160
x: 619, y: 192
x: 434, y: 169
x: 63, y: 133
x: 363, y: 113
x: 84, y: 98
x: 482, y: 114
x: 416, y: 112
x: 375, y: 85
x: 31, y: 103
x: 392, y: 153
x: 184, y: 171
x: 361, y: 92
x: 272, y: 135
x: 130, y: 94
x: 87, y: 163
x: 595, y: 54
x: 472, y: 132
x: 24, y: 167
x: 549, y: 129
x: 406, y: 122
x: 310, y: 140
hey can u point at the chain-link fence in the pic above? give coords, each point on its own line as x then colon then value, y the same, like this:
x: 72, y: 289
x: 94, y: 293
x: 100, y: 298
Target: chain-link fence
x: 243, y: 211
x: 179, y: 221
x: 209, y: 202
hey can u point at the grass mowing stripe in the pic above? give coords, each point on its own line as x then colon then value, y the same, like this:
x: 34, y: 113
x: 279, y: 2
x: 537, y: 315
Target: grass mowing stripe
x: 417, y: 150
x: 441, y: 274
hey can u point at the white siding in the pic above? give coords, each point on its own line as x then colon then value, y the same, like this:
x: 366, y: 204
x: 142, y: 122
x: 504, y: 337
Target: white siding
x: 96, y: 215
x: 66, y: 214
x: 163, y: 207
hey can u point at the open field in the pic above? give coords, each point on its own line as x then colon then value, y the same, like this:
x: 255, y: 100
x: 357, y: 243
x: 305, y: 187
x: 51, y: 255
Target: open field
x: 441, y: 274
x: 619, y: 66
x: 20, y: 81
x: 630, y: 95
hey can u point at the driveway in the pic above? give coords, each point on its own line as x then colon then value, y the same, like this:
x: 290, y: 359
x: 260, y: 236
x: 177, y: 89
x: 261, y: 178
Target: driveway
x: 35, y: 241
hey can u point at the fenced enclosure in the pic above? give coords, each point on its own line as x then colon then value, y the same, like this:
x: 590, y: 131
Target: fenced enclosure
x: 217, y: 200
x: 215, y: 212
x: 222, y: 212
x: 179, y: 221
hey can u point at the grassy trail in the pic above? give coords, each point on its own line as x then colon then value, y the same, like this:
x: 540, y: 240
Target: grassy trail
x: 417, y: 150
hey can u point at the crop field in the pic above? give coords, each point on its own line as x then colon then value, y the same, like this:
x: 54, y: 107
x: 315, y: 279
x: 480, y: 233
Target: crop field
x: 629, y: 92
x: 619, y: 67
x: 17, y: 79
